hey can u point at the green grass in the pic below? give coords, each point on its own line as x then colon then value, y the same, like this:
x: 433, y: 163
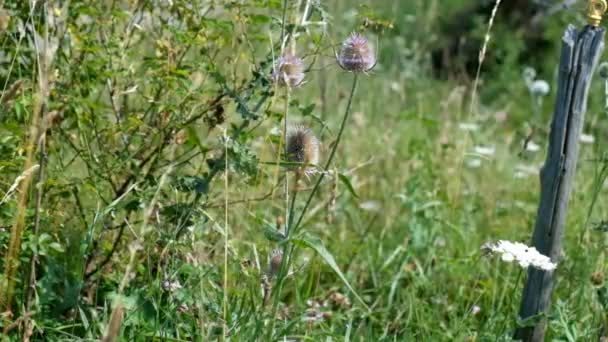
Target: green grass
x: 407, y: 237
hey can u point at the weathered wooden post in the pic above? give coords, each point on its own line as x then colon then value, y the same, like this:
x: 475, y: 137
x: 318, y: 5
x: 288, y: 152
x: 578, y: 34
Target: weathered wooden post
x: 580, y: 53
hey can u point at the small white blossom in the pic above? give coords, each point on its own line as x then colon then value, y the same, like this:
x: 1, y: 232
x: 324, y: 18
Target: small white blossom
x: 587, y: 138
x: 370, y: 206
x: 171, y: 286
x: 473, y: 163
x: 532, y: 147
x: 469, y: 127
x: 487, y: 151
x: 475, y: 309
x: 540, y: 88
x: 523, y: 171
x: 395, y: 86
x: 522, y: 254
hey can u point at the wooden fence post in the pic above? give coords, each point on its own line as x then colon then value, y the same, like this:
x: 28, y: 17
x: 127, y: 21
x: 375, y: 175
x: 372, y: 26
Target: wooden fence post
x: 579, y: 57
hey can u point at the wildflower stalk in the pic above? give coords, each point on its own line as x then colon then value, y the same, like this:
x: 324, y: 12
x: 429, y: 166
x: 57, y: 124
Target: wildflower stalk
x: 225, y: 302
x: 291, y: 228
x: 283, y: 25
x: 288, y: 213
x: 510, y: 301
x: 331, y: 155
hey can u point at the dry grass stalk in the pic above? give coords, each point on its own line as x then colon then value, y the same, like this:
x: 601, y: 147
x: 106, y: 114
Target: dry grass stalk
x: 116, y: 318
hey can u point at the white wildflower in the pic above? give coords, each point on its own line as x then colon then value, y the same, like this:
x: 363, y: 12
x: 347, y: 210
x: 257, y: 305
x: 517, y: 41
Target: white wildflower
x: 171, y: 286
x: 473, y: 163
x: 370, y: 206
x: 540, y: 88
x: 486, y: 151
x: 532, y: 147
x: 523, y: 171
x: 395, y: 86
x: 522, y: 254
x: 468, y: 126
x: 587, y: 138
x: 475, y: 309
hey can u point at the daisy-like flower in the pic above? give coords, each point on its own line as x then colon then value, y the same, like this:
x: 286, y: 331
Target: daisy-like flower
x: 356, y: 54
x: 522, y: 254
x: 302, y: 146
x: 288, y: 71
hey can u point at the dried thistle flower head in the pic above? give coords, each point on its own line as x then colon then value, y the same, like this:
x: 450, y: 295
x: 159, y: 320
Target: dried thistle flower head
x: 302, y: 146
x: 276, y: 259
x: 356, y: 54
x: 288, y: 71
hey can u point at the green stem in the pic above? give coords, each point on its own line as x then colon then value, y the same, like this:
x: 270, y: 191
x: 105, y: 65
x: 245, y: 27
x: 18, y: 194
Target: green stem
x: 331, y: 155
x: 510, y: 302
x: 291, y: 229
x: 283, y: 24
x: 287, y: 212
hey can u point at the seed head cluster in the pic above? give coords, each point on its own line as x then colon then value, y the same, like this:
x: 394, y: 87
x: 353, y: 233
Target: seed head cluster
x: 302, y: 146
x: 356, y: 54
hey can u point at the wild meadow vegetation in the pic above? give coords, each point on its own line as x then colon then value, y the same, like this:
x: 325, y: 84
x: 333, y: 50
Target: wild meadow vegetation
x: 199, y: 170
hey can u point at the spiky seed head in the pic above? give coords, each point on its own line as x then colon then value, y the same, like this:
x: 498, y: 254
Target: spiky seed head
x: 356, y: 54
x: 302, y: 146
x: 276, y: 259
x: 288, y: 71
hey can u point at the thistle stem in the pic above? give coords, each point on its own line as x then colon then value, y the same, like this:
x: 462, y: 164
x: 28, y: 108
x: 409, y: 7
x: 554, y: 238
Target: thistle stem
x: 288, y: 213
x: 331, y: 155
x: 291, y: 229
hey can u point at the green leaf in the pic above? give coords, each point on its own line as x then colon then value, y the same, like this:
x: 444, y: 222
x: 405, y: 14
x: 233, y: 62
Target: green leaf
x: 348, y: 184
x: 316, y: 244
x: 191, y: 183
x: 272, y: 234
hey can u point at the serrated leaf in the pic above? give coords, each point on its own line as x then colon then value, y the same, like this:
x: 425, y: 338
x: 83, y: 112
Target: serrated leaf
x: 316, y: 244
x: 348, y: 184
x: 272, y: 234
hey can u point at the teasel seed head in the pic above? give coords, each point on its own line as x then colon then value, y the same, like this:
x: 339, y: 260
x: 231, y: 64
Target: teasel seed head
x: 276, y: 259
x: 302, y: 146
x: 288, y: 71
x: 356, y: 54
